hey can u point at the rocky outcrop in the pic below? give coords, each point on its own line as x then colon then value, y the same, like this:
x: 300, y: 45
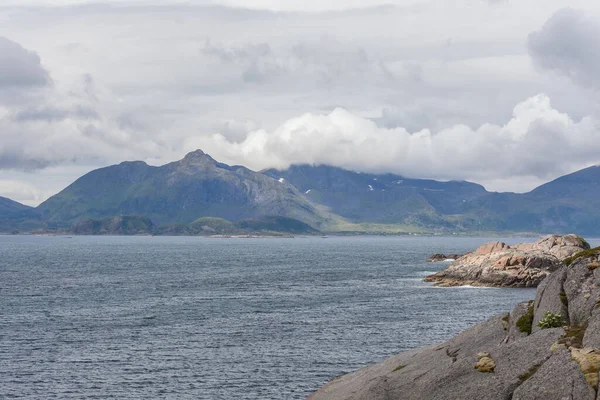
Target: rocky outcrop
x: 498, y: 264
x: 510, y: 363
x: 438, y: 257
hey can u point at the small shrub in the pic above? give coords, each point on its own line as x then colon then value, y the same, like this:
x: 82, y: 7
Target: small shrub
x: 526, y: 321
x: 551, y: 320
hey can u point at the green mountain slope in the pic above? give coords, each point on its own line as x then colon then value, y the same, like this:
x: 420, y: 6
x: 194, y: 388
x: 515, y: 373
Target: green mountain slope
x: 16, y: 217
x: 570, y: 203
x: 179, y: 192
x: 383, y: 198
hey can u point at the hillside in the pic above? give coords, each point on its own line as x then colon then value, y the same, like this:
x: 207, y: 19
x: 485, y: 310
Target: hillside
x: 179, y: 192
x: 383, y: 198
x: 126, y: 225
x: 569, y: 203
x: 16, y: 217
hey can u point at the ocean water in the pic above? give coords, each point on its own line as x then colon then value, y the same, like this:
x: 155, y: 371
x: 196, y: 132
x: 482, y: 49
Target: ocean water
x: 198, y: 318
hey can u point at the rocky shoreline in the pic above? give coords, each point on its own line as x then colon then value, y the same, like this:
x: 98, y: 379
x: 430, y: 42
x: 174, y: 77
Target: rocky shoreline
x: 544, y: 349
x: 497, y: 264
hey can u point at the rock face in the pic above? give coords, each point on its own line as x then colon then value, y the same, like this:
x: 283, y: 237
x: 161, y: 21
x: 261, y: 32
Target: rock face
x: 442, y: 257
x: 496, y: 359
x: 498, y: 264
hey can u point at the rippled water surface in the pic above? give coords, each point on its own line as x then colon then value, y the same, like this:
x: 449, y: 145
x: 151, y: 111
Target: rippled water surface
x: 196, y: 318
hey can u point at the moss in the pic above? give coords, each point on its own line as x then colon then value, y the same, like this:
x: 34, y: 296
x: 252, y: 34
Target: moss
x: 585, y: 253
x: 398, y: 368
x: 529, y: 373
x: 505, y: 319
x: 573, y: 336
x: 563, y: 299
x: 526, y: 321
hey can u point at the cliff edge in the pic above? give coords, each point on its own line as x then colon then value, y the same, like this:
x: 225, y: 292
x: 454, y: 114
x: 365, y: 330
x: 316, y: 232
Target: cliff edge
x: 544, y: 349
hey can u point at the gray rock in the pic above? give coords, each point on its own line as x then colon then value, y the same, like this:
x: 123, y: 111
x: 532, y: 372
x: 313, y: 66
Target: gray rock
x: 493, y: 360
x: 448, y: 371
x: 550, y: 296
x: 514, y: 333
x: 581, y: 287
x: 558, y: 378
x: 592, y: 333
x: 443, y: 257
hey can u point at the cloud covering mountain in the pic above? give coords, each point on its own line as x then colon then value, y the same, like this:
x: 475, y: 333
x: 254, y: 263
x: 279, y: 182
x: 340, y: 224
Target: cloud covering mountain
x: 500, y: 92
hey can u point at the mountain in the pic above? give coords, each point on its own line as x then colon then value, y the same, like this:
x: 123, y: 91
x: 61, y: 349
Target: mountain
x: 11, y: 207
x: 178, y: 192
x: 15, y: 217
x: 200, y: 196
x: 383, y: 198
x: 569, y: 203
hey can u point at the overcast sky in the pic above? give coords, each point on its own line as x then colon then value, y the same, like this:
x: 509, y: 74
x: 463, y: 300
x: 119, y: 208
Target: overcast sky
x: 501, y: 92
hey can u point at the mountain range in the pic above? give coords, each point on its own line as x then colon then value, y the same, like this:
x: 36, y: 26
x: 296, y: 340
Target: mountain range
x: 170, y: 198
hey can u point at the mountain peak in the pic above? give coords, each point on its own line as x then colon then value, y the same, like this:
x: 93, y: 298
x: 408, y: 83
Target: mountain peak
x: 195, y: 153
x: 197, y: 157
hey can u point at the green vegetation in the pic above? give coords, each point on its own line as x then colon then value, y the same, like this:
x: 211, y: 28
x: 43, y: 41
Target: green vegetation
x: 123, y: 225
x: 551, y: 320
x: 529, y: 373
x: 585, y: 253
x: 526, y: 321
x: 573, y: 336
x: 505, y: 319
x: 398, y: 368
x: 563, y: 299
x: 584, y: 242
x: 276, y: 224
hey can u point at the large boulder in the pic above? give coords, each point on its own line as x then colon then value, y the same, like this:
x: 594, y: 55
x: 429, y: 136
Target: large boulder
x: 498, y: 264
x: 506, y: 357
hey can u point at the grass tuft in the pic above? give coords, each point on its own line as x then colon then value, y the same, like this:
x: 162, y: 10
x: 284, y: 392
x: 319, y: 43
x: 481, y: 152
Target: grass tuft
x: 585, y: 253
x: 398, y: 368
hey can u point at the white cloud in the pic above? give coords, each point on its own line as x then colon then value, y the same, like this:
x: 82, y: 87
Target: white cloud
x: 532, y: 144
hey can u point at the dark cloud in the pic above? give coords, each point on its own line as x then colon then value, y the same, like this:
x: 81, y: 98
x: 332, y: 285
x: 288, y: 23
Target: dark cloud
x: 19, y: 161
x: 569, y: 43
x: 53, y: 114
x: 20, y: 67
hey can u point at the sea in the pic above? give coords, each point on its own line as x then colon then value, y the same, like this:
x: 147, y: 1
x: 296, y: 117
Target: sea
x: 220, y: 318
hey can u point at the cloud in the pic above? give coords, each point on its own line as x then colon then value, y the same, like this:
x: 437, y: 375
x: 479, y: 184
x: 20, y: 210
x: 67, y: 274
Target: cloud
x: 20, y: 68
x: 399, y: 76
x: 51, y: 114
x: 569, y: 43
x: 538, y: 141
x: 316, y: 64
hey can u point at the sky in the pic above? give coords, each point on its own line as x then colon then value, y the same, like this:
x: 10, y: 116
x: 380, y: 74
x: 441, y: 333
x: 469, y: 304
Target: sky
x: 504, y: 93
